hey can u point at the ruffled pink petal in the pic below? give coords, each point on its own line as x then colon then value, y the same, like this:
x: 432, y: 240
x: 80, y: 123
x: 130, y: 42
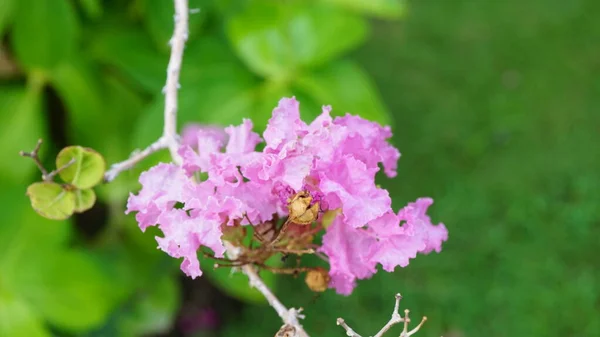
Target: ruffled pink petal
x: 285, y: 124
x: 191, y: 132
x: 197, y: 158
x: 162, y: 186
x: 350, y: 184
x: 415, y: 216
x: 183, y: 236
x: 241, y: 138
x: 349, y: 250
x: 400, y: 237
x: 394, y: 247
x: 373, y: 137
x: 223, y: 170
x: 294, y: 170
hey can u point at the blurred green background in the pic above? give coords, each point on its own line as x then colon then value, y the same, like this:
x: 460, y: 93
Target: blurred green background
x: 494, y: 106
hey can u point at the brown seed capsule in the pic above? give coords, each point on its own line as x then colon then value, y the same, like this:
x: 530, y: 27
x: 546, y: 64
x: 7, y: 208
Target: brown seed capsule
x: 299, y: 209
x: 317, y: 279
x: 286, y: 331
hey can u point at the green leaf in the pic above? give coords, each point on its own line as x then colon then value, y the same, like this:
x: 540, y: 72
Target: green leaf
x: 347, y: 88
x: 84, y: 199
x: 154, y: 310
x: 68, y: 289
x: 87, y: 169
x: 25, y: 228
x: 132, y: 52
x: 222, y: 94
x: 21, y: 125
x: 18, y: 320
x: 387, y: 9
x: 51, y: 200
x: 44, y: 32
x: 42, y: 281
x: 6, y: 12
x: 126, y: 105
x: 278, y: 40
x: 159, y: 20
x: 93, y: 8
x: 88, y: 96
x: 76, y: 81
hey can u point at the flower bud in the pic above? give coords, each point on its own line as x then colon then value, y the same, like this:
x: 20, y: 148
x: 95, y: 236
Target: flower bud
x: 317, y: 279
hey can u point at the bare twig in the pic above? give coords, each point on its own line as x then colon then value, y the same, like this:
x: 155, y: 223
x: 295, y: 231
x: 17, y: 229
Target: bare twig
x: 36, y: 159
x: 135, y: 158
x: 34, y: 155
x: 169, y: 138
x: 349, y: 331
x: 288, y: 316
x: 50, y: 176
x: 180, y: 36
x: 395, y: 319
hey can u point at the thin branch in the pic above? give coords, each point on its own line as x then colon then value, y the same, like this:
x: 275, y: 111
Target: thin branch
x: 36, y: 159
x: 395, y: 319
x: 180, y: 36
x: 169, y: 138
x: 34, y: 155
x: 349, y: 331
x: 50, y: 176
x: 135, y: 158
x: 288, y: 316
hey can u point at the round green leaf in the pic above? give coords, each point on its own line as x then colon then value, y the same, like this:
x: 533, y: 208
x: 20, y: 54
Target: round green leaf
x: 87, y: 170
x: 51, y: 200
x: 84, y: 200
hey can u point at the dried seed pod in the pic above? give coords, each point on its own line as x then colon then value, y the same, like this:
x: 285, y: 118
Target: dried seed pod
x: 317, y: 279
x: 300, y: 210
x: 286, y: 331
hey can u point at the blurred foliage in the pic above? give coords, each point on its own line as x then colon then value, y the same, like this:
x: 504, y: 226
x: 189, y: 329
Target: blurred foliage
x: 91, y: 72
x: 494, y: 110
x: 495, y: 107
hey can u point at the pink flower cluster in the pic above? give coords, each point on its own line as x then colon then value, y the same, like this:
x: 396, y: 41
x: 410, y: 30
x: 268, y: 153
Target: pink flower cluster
x: 224, y: 181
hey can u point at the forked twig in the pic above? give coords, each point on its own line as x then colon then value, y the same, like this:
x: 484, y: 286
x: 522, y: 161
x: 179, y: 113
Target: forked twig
x: 395, y: 319
x: 34, y: 155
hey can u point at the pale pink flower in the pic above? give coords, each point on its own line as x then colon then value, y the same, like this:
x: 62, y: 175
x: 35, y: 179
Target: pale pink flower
x: 224, y: 181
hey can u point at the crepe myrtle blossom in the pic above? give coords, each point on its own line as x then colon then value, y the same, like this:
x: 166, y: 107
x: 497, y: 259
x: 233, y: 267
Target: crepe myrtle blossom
x: 225, y: 183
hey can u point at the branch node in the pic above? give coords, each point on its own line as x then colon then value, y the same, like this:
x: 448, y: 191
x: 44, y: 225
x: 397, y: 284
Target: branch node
x: 34, y: 155
x: 395, y: 319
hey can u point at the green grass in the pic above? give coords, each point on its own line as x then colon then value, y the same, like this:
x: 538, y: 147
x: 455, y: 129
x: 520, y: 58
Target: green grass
x: 496, y: 107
